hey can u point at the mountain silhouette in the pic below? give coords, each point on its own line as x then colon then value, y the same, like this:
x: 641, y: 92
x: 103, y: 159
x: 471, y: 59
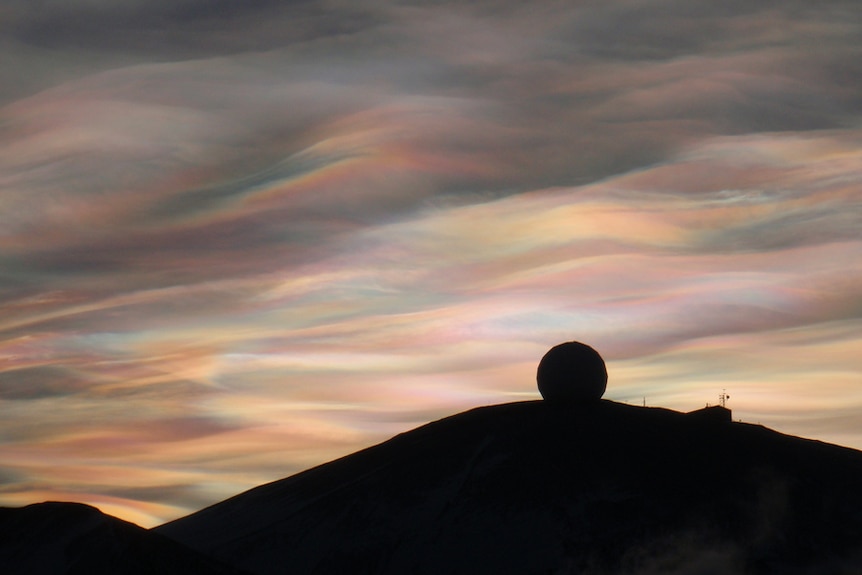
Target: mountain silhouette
x: 76, y: 539
x: 544, y: 487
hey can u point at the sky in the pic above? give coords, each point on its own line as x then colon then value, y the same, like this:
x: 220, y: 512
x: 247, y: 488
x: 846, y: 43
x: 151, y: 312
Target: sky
x: 242, y: 238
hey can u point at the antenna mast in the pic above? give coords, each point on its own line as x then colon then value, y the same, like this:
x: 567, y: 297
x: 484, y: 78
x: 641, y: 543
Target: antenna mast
x: 722, y: 398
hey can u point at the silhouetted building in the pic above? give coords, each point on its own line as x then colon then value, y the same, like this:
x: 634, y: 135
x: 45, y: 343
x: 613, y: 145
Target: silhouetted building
x: 715, y: 413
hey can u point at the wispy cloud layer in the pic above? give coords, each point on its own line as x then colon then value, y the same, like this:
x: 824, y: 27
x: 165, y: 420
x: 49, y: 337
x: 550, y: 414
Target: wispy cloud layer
x: 240, y: 239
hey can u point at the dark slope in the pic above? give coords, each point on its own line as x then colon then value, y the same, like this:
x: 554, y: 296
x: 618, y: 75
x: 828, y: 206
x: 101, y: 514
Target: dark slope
x: 538, y: 488
x: 54, y: 538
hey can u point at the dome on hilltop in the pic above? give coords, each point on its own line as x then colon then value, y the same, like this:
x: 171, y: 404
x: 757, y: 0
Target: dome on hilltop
x: 572, y: 372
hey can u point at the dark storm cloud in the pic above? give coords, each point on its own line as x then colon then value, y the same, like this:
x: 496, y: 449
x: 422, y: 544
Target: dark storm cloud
x: 48, y: 42
x: 654, y: 30
x: 183, y: 28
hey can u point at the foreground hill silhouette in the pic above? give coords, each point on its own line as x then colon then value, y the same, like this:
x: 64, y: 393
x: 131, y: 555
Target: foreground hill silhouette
x: 72, y: 538
x: 539, y: 487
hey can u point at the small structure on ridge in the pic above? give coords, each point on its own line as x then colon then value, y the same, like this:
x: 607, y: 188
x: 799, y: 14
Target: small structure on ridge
x: 715, y: 413
x: 572, y: 372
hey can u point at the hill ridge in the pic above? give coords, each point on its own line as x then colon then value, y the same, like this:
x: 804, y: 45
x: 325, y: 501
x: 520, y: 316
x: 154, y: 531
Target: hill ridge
x: 532, y: 486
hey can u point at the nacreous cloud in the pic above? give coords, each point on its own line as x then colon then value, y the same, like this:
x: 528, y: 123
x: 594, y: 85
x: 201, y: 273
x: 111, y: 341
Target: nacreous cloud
x: 241, y: 238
